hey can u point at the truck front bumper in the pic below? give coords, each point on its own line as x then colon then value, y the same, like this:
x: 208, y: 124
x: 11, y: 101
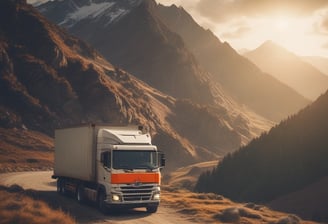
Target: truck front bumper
x: 134, y: 196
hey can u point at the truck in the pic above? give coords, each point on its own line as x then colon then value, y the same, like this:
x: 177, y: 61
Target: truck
x: 113, y: 166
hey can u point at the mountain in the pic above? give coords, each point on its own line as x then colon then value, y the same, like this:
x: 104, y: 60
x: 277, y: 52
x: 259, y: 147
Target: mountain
x: 50, y: 79
x: 122, y: 30
x: 290, y: 157
x: 289, y: 69
x: 165, y: 64
x: 239, y: 77
x: 321, y: 63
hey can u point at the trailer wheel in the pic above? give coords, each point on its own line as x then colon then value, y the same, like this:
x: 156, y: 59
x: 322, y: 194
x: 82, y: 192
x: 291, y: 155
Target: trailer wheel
x: 80, y: 194
x: 151, y: 209
x: 101, y: 202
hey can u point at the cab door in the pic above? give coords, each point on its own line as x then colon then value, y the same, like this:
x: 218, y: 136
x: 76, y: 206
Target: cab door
x: 104, y: 168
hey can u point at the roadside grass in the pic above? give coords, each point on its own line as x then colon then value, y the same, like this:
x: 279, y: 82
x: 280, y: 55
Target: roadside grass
x: 212, y: 208
x: 16, y: 207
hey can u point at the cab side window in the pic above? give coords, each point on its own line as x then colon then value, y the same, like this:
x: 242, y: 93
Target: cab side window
x: 106, y: 159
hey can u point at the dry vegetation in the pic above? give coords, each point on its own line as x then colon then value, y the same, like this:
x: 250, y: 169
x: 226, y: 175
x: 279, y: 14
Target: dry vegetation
x: 186, y: 177
x: 23, y: 150
x: 212, y: 208
x: 16, y: 207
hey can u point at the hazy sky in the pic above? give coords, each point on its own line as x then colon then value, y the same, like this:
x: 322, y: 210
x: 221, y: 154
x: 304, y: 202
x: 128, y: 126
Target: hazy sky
x: 301, y: 26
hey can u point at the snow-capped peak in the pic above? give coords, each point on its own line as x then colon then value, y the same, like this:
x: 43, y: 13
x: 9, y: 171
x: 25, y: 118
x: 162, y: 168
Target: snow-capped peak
x: 110, y: 9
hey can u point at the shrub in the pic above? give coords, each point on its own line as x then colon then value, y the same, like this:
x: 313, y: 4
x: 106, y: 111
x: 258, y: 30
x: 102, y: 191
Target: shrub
x: 290, y: 219
x: 228, y: 215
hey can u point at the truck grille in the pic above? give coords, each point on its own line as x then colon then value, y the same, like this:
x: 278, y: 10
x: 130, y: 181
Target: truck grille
x: 137, y: 193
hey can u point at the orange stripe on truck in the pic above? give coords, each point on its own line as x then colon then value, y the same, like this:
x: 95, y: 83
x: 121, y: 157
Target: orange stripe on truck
x: 129, y: 178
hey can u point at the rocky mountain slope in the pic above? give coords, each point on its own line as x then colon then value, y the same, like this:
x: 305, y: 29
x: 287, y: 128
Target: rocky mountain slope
x: 239, y: 77
x: 165, y: 62
x: 122, y: 30
x: 289, y: 69
x: 290, y: 157
x: 49, y: 79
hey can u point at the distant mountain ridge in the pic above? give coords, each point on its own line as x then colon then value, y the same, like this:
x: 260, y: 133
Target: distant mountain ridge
x: 289, y: 69
x: 169, y: 62
x: 320, y: 63
x: 239, y: 78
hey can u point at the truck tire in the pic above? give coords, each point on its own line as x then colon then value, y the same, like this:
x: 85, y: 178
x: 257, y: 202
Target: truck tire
x: 151, y: 209
x: 61, y: 186
x: 80, y: 197
x: 101, y: 202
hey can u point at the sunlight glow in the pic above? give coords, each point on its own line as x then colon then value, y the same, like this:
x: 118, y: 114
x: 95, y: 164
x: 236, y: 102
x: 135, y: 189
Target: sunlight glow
x: 293, y: 33
x: 299, y: 33
x: 281, y: 23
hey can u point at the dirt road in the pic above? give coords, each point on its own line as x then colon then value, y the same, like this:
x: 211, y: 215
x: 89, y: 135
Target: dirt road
x: 46, y: 188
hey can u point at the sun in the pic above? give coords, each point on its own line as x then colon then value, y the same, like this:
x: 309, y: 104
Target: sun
x: 281, y: 23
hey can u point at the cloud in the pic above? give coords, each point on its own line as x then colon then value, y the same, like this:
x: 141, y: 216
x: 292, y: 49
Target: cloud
x: 324, y: 23
x: 223, y: 10
x: 320, y: 26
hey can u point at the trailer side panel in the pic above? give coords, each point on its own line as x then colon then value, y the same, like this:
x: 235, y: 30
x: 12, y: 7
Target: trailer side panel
x: 74, y: 153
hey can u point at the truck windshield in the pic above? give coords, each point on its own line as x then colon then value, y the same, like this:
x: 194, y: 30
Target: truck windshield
x: 131, y: 159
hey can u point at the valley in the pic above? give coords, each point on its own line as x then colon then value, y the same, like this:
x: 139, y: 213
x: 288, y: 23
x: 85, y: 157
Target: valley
x: 244, y: 135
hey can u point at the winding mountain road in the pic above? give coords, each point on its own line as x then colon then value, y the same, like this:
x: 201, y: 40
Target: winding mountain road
x: 42, y: 183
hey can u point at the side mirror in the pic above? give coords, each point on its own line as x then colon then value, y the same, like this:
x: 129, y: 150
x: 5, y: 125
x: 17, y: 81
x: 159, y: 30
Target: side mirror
x: 162, y: 159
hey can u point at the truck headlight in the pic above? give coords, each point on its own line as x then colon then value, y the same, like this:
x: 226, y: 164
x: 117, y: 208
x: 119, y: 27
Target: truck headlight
x: 156, y: 196
x: 115, y: 197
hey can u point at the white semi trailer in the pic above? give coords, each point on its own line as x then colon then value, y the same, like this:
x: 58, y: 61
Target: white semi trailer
x: 113, y: 166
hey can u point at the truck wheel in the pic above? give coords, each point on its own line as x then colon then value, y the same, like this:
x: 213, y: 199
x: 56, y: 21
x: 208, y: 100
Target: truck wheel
x: 101, y: 202
x: 80, y: 194
x: 61, y: 186
x: 152, y: 209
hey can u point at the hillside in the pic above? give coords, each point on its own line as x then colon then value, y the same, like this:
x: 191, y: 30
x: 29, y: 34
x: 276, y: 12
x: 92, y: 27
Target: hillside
x: 315, y: 195
x: 239, y: 77
x: 49, y: 79
x: 23, y: 150
x: 289, y: 69
x: 288, y: 158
